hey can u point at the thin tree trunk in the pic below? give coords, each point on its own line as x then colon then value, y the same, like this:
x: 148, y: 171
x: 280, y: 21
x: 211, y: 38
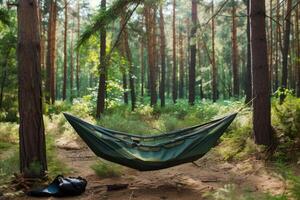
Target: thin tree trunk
x: 192, y: 70
x: 214, y: 68
x: 78, y: 52
x: 200, y: 72
x: 271, y: 44
x: 102, y: 69
x: 286, y: 46
x: 235, y: 67
x: 150, y: 29
x: 248, y: 81
x: 51, y: 54
x: 130, y: 70
x: 142, y: 68
x: 181, y: 66
x: 163, y: 57
x: 31, y: 131
x: 298, y: 53
x: 65, y: 51
x: 71, y: 67
x: 174, y: 80
x: 277, y: 46
x: 260, y: 74
x: 4, y: 77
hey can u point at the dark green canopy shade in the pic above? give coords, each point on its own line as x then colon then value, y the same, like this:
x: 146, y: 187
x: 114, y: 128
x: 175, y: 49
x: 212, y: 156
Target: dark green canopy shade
x: 146, y: 153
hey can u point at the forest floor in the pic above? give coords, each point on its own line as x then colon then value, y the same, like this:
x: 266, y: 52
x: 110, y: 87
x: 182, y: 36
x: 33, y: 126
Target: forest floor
x: 185, y: 182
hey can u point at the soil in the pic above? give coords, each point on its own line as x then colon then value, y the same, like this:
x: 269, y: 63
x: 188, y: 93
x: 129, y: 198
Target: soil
x: 185, y: 182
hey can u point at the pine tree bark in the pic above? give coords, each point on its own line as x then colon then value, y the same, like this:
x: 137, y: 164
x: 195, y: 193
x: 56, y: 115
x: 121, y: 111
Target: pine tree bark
x: 78, y: 52
x: 298, y: 53
x: 163, y: 56
x: 260, y: 74
x: 51, y: 54
x: 286, y: 45
x: 277, y: 46
x: 235, y: 67
x: 31, y: 131
x: 142, y: 67
x: 200, y: 72
x: 174, y: 80
x: 64, y: 92
x: 130, y: 70
x: 214, y: 67
x: 71, y: 67
x: 150, y: 29
x: 181, y: 66
x: 192, y: 70
x: 248, y: 81
x: 4, y: 75
x: 271, y: 44
x: 102, y: 69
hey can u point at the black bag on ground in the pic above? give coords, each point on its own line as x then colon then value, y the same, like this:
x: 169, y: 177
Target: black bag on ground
x: 61, y: 187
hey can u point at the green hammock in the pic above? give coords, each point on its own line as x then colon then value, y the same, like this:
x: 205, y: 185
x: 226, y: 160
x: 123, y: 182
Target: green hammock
x: 146, y: 153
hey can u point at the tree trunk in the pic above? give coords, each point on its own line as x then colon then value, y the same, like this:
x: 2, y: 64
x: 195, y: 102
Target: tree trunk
x: 174, y: 80
x: 200, y: 72
x: 235, y: 68
x: 181, y: 66
x: 214, y: 67
x: 271, y: 45
x: 298, y: 53
x: 286, y: 46
x: 130, y: 70
x: 192, y: 71
x: 260, y: 74
x: 78, y: 52
x: 102, y: 69
x: 150, y: 29
x: 248, y: 81
x: 277, y: 46
x: 51, y: 54
x: 71, y: 67
x: 32, y: 138
x: 4, y: 76
x: 163, y: 56
x: 65, y: 51
x: 142, y: 67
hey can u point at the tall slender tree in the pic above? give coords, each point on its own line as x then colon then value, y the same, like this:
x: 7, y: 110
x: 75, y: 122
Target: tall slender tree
x: 298, y: 53
x: 102, y: 69
x: 163, y: 56
x: 235, y: 67
x: 77, y: 51
x: 64, y: 92
x: 213, y: 59
x: 150, y: 17
x: 248, y: 86
x: 31, y: 131
x: 51, y: 53
x: 192, y: 70
x: 260, y: 74
x: 181, y: 65
x: 174, y: 80
x: 128, y: 56
x: 286, y: 45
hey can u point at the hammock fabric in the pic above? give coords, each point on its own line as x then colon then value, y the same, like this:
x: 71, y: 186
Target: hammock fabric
x: 146, y: 153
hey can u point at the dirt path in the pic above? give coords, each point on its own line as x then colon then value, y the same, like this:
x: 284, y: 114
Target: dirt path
x: 184, y: 182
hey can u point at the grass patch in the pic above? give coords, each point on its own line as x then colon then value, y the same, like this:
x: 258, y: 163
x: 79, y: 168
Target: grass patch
x: 107, y: 169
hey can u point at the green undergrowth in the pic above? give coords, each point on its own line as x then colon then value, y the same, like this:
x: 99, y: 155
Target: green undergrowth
x: 9, y: 153
x: 105, y: 169
x: 234, y: 192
